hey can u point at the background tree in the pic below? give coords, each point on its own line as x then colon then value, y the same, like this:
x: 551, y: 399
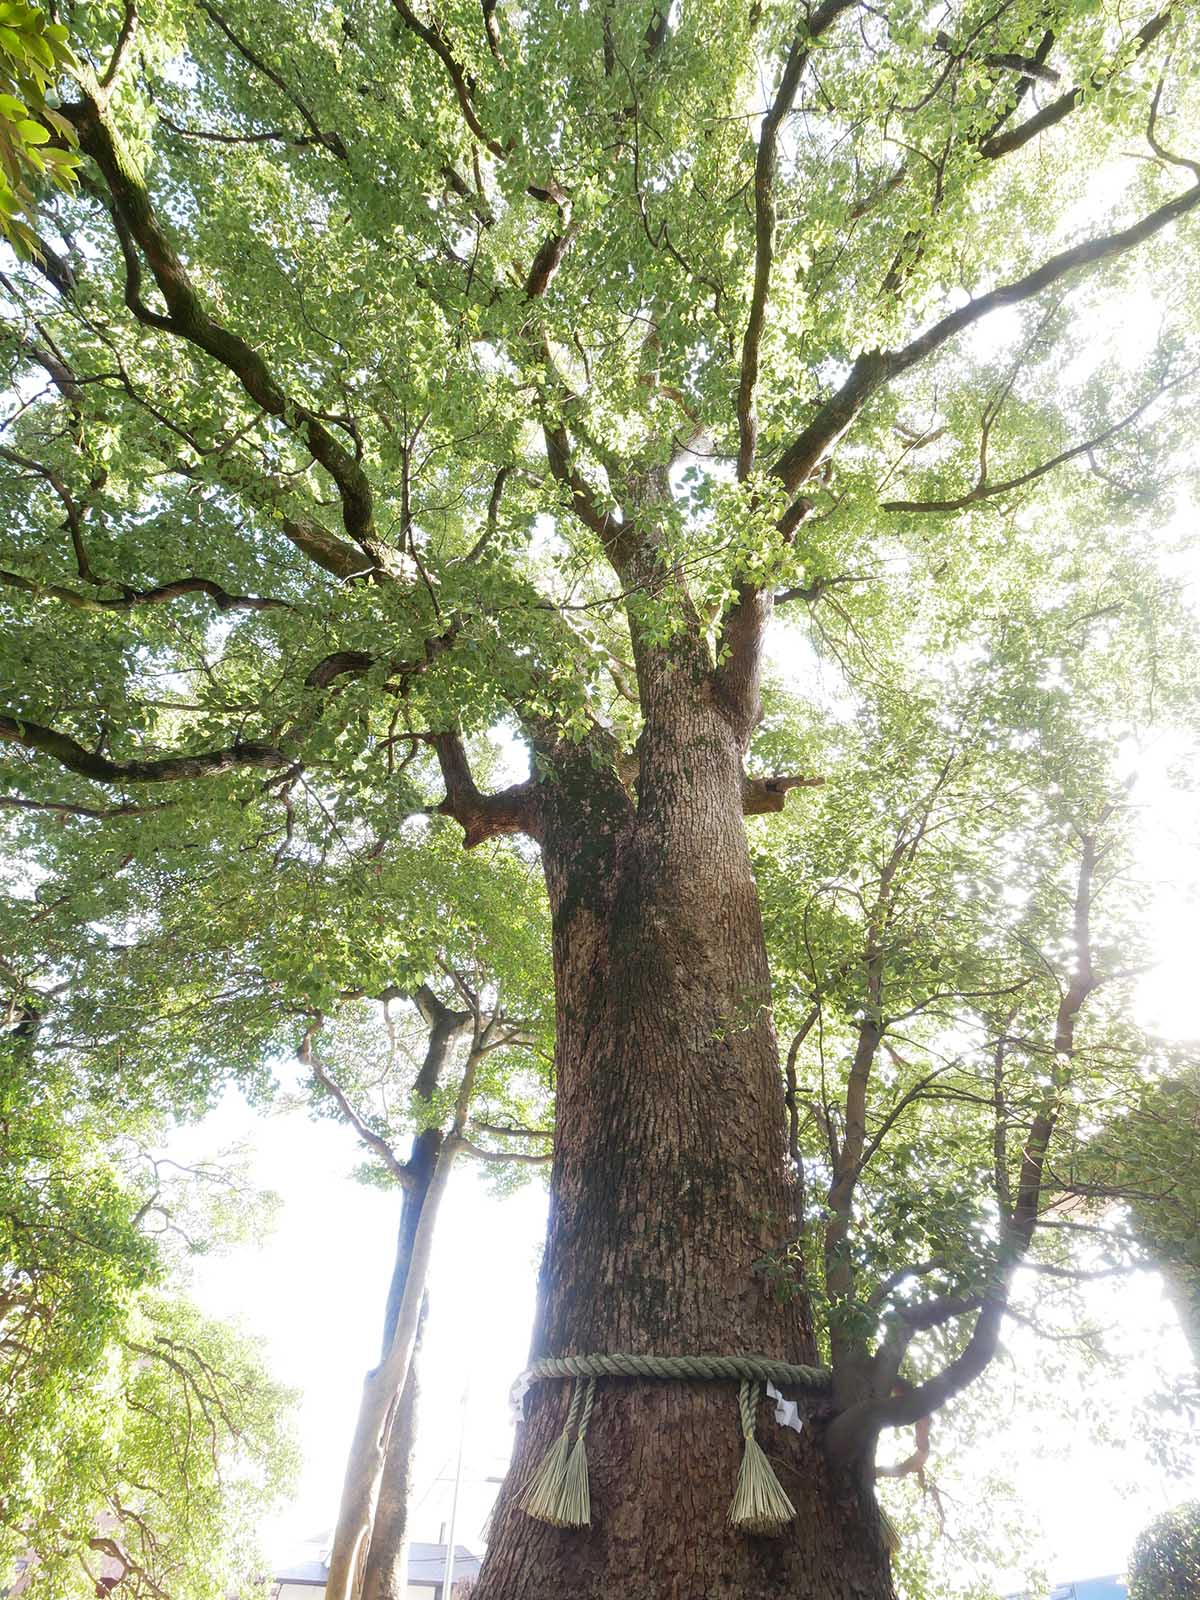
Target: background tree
x: 484, y: 1106
x: 141, y: 1440
x: 1166, y: 1559
x: 438, y: 385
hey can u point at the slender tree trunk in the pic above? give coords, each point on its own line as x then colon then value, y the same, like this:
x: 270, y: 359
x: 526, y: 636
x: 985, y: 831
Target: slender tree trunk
x: 383, y: 1389
x: 670, y: 1193
x: 368, y: 1540
x: 383, y: 1573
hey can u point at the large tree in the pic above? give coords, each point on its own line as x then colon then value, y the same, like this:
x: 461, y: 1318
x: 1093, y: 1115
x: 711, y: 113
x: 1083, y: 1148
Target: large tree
x: 409, y: 387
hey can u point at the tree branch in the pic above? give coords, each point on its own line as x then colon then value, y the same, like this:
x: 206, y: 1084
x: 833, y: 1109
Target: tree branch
x: 765, y: 168
x: 139, y: 229
x: 1003, y: 144
x: 984, y: 490
x: 132, y: 598
x: 433, y: 37
x: 307, y: 1055
x: 762, y: 795
x: 14, y: 802
x: 482, y: 816
x: 528, y: 1158
x: 160, y: 769
x: 331, y: 141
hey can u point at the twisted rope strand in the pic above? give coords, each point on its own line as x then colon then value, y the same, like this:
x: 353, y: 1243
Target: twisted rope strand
x: 762, y: 1368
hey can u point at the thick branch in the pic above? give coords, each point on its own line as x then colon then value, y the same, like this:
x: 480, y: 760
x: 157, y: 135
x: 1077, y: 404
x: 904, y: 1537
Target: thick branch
x: 160, y: 769
x: 765, y: 168
x: 188, y: 318
x: 335, y: 555
x: 482, y: 816
x: 761, y: 795
x: 1003, y: 144
x: 433, y: 37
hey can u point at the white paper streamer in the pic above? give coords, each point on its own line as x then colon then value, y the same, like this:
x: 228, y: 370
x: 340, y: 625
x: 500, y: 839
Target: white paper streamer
x: 787, y: 1412
x: 522, y: 1384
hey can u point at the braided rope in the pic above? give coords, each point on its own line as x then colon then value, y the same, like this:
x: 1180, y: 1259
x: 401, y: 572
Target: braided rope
x: 748, y: 1398
x: 761, y: 1368
x: 573, y: 1412
x: 589, y: 1399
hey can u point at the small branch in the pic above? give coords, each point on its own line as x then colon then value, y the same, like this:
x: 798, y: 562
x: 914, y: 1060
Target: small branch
x: 307, y: 1055
x: 331, y: 141
x: 1159, y: 149
x: 814, y: 590
x: 918, y: 1269
x: 493, y: 516
x: 219, y: 136
x: 99, y: 813
x: 125, y: 38
x: 503, y: 1131
x: 131, y: 598
x: 528, y: 1158
x: 984, y: 490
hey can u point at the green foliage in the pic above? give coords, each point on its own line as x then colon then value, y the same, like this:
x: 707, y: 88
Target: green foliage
x: 1166, y: 1559
x: 34, y: 53
x: 136, y: 1433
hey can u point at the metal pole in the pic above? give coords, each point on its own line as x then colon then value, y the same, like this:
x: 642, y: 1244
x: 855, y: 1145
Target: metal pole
x: 448, y: 1575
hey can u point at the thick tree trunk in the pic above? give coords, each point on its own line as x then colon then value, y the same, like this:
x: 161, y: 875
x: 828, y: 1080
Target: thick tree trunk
x: 670, y: 1192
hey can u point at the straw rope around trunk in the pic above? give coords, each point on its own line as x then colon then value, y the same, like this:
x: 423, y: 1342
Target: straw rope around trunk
x: 558, y: 1492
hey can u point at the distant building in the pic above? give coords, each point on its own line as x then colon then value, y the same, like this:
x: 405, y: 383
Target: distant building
x: 426, y: 1569
x: 1112, y: 1588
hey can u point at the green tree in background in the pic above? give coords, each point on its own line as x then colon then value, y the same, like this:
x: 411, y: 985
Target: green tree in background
x: 1166, y: 1559
x: 486, y: 1106
x: 141, y: 1440
x: 567, y: 431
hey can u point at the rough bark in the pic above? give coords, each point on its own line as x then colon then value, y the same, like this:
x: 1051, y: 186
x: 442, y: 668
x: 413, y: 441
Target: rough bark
x: 670, y: 1189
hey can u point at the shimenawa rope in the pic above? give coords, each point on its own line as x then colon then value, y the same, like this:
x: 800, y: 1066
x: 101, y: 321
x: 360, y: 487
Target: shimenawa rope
x: 557, y: 1492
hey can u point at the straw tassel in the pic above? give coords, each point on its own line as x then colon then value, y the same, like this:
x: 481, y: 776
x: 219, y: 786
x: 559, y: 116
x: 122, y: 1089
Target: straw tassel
x: 760, y: 1505
x: 540, y: 1496
x: 575, y: 1499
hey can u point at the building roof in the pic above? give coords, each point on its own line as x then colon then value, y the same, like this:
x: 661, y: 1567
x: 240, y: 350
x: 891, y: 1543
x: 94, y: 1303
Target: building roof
x: 426, y: 1564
